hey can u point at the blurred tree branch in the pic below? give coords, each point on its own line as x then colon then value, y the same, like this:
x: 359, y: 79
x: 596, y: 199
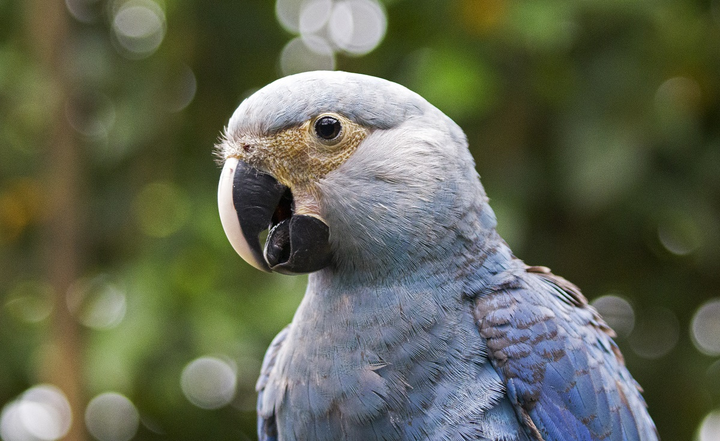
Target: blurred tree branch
x: 48, y: 29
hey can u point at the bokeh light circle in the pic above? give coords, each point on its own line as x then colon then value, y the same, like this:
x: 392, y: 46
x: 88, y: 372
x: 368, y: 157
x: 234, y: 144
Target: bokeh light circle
x: 97, y: 302
x: 710, y: 427
x: 705, y: 328
x: 656, y: 333
x: 314, y: 14
x: 617, y: 312
x: 209, y: 382
x: 357, y: 26
x: 30, y: 301
x: 288, y: 14
x: 307, y: 53
x: 679, y: 233
x: 90, y: 113
x: 680, y: 92
x: 85, y: 11
x: 354, y: 27
x: 41, y: 413
x: 112, y: 417
x: 185, y: 87
x: 139, y: 27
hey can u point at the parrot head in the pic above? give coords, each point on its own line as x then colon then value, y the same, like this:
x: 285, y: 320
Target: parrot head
x: 343, y: 169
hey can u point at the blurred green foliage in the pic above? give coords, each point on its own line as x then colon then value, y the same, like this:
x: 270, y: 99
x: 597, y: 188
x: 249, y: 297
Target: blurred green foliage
x: 595, y: 126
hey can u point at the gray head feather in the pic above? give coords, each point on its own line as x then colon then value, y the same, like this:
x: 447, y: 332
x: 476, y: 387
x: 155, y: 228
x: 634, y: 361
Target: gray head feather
x: 292, y: 100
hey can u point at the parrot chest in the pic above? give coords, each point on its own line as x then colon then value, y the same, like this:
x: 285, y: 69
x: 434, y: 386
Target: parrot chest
x: 404, y: 372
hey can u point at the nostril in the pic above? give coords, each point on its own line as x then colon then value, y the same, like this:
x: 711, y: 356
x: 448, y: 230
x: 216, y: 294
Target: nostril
x: 246, y: 147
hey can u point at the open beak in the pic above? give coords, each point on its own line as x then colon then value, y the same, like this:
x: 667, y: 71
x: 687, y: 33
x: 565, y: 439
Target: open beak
x: 250, y: 202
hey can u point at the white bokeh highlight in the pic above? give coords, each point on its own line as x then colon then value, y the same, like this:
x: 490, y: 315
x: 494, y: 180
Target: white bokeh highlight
x: 97, y: 302
x: 139, y: 27
x: 111, y: 416
x: 41, y: 413
x: 314, y: 15
x: 705, y: 328
x: 617, y: 312
x: 710, y: 427
x: 209, y: 382
x: 328, y: 27
x: 305, y: 54
x: 288, y: 14
x: 357, y: 26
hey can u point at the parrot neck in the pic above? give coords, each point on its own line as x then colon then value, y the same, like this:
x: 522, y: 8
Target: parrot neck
x: 484, y: 260
x: 460, y: 243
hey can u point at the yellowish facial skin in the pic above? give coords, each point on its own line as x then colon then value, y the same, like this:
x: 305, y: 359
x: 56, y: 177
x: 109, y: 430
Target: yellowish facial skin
x: 297, y: 157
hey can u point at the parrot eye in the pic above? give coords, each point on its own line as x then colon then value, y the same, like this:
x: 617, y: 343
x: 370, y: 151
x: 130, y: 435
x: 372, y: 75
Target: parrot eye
x: 327, y: 128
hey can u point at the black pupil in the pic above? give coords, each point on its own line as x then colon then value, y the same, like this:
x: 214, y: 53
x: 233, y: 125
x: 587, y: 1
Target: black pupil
x: 327, y: 127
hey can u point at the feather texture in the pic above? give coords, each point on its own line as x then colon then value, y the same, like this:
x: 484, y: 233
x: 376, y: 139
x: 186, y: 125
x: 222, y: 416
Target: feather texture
x: 566, y: 376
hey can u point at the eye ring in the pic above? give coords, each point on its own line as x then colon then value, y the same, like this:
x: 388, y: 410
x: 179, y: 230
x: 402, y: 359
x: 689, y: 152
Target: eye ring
x: 328, y: 129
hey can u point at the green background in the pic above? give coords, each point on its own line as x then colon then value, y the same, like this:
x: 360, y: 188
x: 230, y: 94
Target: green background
x: 595, y: 126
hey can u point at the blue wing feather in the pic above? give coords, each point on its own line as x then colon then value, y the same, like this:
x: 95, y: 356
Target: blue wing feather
x: 267, y: 429
x: 564, y: 374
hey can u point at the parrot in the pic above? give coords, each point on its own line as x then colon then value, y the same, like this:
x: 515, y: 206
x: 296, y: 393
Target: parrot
x: 418, y: 322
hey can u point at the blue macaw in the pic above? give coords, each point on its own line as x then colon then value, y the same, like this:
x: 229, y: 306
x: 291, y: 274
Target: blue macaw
x: 418, y: 321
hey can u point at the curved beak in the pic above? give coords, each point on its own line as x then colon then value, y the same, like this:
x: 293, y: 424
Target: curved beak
x: 250, y: 202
